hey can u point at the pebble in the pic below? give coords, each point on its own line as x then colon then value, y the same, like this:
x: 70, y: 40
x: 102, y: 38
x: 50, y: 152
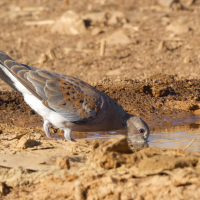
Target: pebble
x: 4, y: 190
x: 166, y: 3
x: 117, y: 17
x: 25, y: 143
x: 70, y: 23
x: 63, y: 162
x: 79, y: 192
x: 178, y: 28
x: 95, y: 17
x: 52, y: 54
x: 118, y: 38
x: 161, y: 46
x: 43, y: 58
x: 96, y: 31
x: 186, y: 59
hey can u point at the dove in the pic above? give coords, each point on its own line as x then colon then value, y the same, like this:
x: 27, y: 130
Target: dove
x: 69, y: 103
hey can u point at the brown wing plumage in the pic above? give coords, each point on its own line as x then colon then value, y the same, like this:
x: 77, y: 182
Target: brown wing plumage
x: 82, y: 97
x: 72, y: 98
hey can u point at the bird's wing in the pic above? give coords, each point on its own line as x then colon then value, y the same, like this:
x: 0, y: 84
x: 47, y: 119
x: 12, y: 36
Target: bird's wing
x: 75, y: 100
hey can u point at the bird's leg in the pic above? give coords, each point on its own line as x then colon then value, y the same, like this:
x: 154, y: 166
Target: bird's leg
x: 46, y: 127
x: 67, y: 134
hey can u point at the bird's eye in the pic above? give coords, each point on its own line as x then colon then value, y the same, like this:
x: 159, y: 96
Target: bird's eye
x: 141, y: 130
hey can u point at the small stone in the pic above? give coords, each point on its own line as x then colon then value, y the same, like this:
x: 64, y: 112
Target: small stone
x: 51, y: 54
x: 178, y: 28
x: 187, y: 3
x: 4, y: 189
x: 63, y: 162
x: 117, y: 80
x: 130, y: 26
x: 166, y: 3
x: 188, y: 47
x: 81, y: 45
x: 96, y: 31
x: 97, y: 17
x: 43, y: 58
x: 116, y: 144
x: 161, y: 46
x: 118, y: 38
x: 70, y: 23
x: 79, y: 192
x: 25, y: 143
x: 165, y: 20
x: 186, y: 59
x: 117, y: 17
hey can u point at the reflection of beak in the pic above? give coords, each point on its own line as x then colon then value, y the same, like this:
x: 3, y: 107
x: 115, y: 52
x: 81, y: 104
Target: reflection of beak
x: 138, y: 138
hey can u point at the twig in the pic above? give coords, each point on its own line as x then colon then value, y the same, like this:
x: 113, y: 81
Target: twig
x: 189, y: 144
x: 39, y: 23
x: 102, y: 47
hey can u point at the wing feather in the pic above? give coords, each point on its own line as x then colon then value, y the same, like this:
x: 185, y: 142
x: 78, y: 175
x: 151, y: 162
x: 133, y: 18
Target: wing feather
x: 75, y: 100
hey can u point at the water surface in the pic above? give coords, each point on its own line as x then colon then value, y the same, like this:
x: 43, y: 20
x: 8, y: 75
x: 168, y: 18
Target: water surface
x: 168, y: 138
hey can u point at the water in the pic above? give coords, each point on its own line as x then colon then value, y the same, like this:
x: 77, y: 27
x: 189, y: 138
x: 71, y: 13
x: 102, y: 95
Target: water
x: 176, y: 140
x: 174, y: 137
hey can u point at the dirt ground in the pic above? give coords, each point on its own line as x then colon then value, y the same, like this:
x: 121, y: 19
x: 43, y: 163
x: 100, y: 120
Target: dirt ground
x: 143, y: 54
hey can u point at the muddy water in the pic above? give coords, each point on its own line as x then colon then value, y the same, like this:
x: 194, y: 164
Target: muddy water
x: 176, y: 138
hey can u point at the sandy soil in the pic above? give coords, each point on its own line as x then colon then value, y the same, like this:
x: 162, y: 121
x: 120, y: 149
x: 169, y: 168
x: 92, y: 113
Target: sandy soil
x: 150, y: 65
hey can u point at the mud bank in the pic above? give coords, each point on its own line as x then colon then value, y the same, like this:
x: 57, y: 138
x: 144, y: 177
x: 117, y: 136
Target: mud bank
x: 97, y: 170
x: 162, y: 100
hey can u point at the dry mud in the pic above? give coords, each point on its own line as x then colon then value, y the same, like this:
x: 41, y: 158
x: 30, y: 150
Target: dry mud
x: 150, y: 65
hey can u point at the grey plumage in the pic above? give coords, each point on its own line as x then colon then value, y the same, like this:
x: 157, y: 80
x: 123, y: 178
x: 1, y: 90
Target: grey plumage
x: 82, y: 106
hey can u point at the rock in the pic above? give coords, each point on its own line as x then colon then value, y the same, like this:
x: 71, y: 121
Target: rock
x: 81, y: 45
x: 166, y: 3
x: 96, y: 31
x: 178, y: 28
x: 118, y: 38
x: 70, y: 23
x: 116, y: 144
x: 109, y: 154
x: 51, y: 54
x: 97, y: 17
x: 63, y: 162
x: 117, y: 17
x: 43, y: 58
x: 130, y: 26
x: 4, y: 189
x: 114, y: 72
x: 25, y: 143
x: 79, y: 192
x: 161, y: 46
x: 187, y: 3
x: 186, y: 59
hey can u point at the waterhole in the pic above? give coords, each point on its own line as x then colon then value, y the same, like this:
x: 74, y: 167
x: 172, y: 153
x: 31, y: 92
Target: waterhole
x: 176, y: 137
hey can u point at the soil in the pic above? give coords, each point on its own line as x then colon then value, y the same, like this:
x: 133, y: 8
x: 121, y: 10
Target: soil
x: 150, y: 65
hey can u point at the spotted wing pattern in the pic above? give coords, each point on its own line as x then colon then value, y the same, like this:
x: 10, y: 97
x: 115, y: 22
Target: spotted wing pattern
x: 75, y: 100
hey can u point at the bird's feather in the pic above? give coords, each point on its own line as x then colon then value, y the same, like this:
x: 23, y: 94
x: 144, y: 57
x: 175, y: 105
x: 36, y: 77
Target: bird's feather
x: 75, y: 100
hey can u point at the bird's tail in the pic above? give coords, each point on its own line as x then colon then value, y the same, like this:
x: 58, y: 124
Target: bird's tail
x: 3, y: 75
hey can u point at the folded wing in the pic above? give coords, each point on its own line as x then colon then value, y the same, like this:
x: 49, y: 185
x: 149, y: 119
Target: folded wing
x: 75, y: 100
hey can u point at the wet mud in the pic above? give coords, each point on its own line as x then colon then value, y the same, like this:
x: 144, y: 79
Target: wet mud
x: 162, y: 100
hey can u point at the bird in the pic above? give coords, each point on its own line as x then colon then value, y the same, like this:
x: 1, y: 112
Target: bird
x: 69, y: 103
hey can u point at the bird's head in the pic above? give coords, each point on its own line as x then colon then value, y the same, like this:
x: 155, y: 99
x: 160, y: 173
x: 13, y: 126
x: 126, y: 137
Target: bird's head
x: 138, y: 130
